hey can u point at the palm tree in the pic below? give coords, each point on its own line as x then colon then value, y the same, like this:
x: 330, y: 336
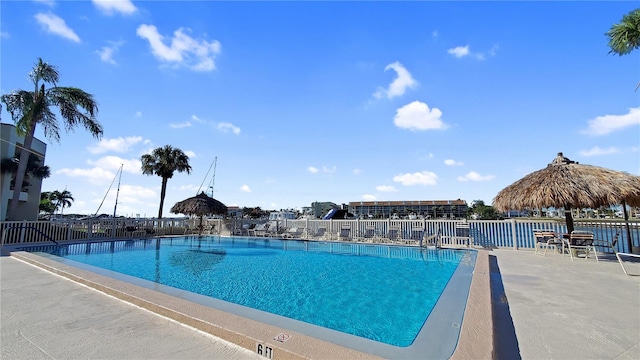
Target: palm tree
x: 624, y: 37
x: 34, y: 169
x: 29, y: 108
x: 164, y: 161
x: 62, y: 199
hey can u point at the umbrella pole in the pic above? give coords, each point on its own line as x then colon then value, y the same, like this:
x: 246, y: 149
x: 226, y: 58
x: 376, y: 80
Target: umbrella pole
x: 568, y: 218
x: 200, y: 226
x: 626, y: 225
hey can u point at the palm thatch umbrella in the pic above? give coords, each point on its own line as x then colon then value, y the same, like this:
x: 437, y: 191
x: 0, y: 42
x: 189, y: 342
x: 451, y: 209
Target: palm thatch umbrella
x: 199, y: 205
x: 568, y: 184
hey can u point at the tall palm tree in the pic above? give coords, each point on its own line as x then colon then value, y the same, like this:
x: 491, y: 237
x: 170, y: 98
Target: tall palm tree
x: 164, y: 161
x: 29, y: 108
x: 62, y: 199
x: 624, y: 37
x: 34, y: 169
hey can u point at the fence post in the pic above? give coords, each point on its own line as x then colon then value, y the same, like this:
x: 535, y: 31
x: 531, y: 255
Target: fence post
x: 69, y: 228
x: 514, y: 238
x: 22, y: 228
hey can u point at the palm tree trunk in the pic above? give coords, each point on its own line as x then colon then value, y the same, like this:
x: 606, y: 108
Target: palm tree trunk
x: 20, y: 173
x: 163, y: 192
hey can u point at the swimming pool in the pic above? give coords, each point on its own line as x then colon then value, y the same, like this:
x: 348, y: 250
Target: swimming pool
x: 381, y: 293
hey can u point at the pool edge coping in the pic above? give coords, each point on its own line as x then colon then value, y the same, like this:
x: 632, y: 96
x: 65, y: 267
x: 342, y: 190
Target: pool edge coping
x: 476, y: 338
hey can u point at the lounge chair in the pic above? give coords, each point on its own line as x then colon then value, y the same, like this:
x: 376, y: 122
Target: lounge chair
x: 259, y: 230
x: 620, y: 256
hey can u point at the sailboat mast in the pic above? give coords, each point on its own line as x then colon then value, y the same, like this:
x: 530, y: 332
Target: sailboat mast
x: 118, y: 191
x: 213, y: 178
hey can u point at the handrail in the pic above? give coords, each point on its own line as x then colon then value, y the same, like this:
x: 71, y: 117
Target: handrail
x: 4, y: 232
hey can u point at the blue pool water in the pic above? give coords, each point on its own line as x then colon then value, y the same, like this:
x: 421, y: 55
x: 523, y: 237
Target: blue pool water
x: 382, y: 293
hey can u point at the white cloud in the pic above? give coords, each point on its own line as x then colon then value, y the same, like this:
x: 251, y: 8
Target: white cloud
x: 605, y: 124
x: 357, y: 171
x: 195, y: 118
x: 106, y: 53
x: 418, y: 116
x: 459, y: 51
x: 96, y: 176
x: 595, y: 151
x: 4, y: 35
x: 474, y: 176
x: 110, y: 7
x: 228, y: 127
x: 434, y: 34
x: 198, y: 55
x: 111, y: 162
x: 180, y: 125
x: 386, y: 188
x: 190, y: 154
x: 138, y: 114
x: 419, y: 178
x: 312, y: 169
x: 245, y: 188
x: 399, y: 85
x: 451, y: 162
x: 56, y: 25
x: 462, y: 51
x: 368, y: 197
x: 328, y: 170
x: 120, y: 145
x: 46, y: 2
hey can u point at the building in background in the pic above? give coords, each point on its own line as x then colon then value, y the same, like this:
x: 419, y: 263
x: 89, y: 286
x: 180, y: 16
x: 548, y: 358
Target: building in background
x: 10, y: 146
x: 424, y: 209
x: 319, y: 209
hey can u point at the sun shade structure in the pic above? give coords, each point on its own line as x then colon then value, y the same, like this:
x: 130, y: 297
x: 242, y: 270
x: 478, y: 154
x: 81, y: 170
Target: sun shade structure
x: 568, y: 184
x: 199, y: 205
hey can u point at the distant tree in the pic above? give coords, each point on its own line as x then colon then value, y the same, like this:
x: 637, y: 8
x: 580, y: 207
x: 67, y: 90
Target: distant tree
x: 483, y: 211
x: 62, y: 199
x: 47, y: 206
x: 164, y: 161
x: 33, y: 169
x: 29, y: 108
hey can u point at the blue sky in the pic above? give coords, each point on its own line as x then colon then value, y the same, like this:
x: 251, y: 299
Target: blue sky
x: 328, y: 101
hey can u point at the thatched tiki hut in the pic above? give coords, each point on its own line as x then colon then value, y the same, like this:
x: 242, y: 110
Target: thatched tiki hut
x: 568, y: 184
x: 199, y: 205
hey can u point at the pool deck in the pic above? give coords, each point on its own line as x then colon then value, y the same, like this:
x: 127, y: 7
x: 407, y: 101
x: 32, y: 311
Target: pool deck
x: 543, y: 307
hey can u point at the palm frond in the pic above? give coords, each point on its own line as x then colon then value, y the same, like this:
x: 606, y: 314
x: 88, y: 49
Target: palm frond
x: 45, y: 72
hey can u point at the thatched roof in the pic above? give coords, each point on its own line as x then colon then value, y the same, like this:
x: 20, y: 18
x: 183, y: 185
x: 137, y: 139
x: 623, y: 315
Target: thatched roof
x: 565, y: 183
x: 201, y: 204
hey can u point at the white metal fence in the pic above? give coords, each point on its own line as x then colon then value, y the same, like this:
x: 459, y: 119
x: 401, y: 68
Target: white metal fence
x: 511, y: 233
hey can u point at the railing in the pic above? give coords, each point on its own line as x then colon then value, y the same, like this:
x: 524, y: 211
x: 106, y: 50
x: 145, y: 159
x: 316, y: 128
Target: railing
x: 511, y: 233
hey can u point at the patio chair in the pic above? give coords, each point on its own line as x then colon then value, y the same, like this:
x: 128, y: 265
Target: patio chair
x: 368, y: 235
x: 545, y: 239
x: 581, y: 241
x: 320, y: 233
x: 345, y: 234
x: 462, y: 235
x: 621, y: 255
x: 415, y: 237
x: 293, y: 232
x: 393, y: 235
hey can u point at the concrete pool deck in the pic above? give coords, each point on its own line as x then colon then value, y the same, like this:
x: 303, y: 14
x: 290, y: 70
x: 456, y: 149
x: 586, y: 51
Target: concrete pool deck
x: 544, y: 308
